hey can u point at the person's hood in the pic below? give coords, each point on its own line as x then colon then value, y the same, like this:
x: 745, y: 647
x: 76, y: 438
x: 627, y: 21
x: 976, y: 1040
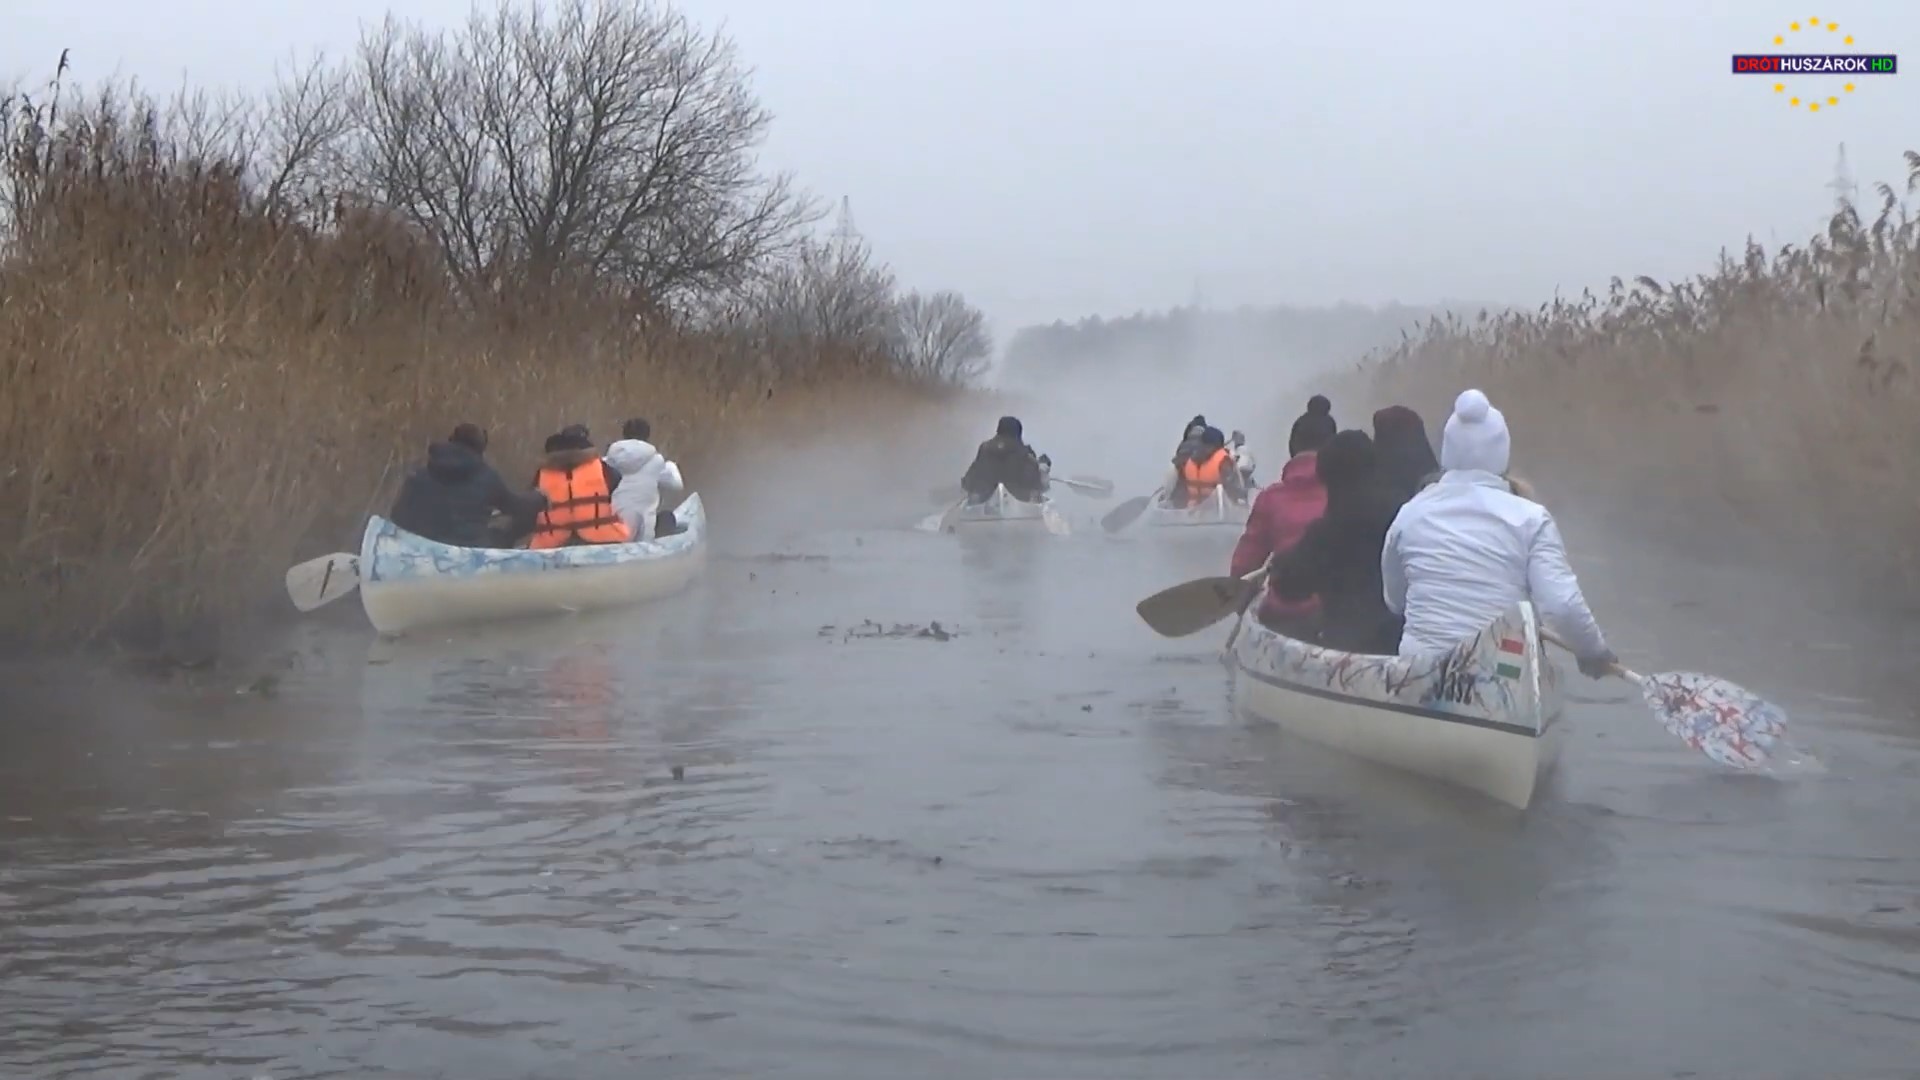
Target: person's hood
x: 1475, y: 437
x: 631, y: 455
x: 452, y: 462
x: 1301, y: 469
x: 567, y: 459
x: 1346, y: 464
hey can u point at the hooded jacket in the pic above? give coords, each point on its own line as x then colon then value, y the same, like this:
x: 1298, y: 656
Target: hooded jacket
x: 1467, y: 546
x: 1005, y: 459
x: 644, y: 471
x: 1280, y: 516
x: 1338, y: 557
x: 1406, y: 458
x: 450, y: 499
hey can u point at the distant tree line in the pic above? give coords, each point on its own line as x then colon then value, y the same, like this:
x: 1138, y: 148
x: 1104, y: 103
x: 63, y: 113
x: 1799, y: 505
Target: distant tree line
x: 1174, y: 339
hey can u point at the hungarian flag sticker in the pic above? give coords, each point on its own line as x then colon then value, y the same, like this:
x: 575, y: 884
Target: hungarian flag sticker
x: 1511, y: 651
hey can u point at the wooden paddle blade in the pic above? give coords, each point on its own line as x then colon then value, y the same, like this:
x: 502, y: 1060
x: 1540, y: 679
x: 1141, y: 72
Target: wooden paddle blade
x: 319, y: 582
x: 1726, y: 722
x: 1192, y: 606
x: 1126, y: 513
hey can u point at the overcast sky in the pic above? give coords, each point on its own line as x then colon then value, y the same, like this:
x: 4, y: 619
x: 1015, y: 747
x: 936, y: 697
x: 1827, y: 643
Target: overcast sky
x: 1053, y: 158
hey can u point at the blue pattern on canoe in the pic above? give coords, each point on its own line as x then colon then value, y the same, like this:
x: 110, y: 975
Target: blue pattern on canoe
x: 390, y: 553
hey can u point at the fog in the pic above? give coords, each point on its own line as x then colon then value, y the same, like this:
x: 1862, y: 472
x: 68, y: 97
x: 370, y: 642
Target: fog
x: 1066, y: 158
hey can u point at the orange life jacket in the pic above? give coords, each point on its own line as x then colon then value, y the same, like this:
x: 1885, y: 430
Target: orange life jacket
x: 578, y: 505
x: 1203, y: 475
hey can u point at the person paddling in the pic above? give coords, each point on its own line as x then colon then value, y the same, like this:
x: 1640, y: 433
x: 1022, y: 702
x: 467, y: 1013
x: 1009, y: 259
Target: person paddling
x: 579, y: 497
x: 1338, y: 557
x: 1006, y: 460
x: 1407, y: 462
x: 1466, y: 547
x: 1280, y: 516
x: 644, y: 473
x: 451, y: 499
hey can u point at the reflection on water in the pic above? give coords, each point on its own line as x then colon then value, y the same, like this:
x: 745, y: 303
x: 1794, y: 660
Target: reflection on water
x: 709, y: 839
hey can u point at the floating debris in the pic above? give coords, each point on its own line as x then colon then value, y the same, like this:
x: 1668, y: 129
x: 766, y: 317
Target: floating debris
x: 868, y: 628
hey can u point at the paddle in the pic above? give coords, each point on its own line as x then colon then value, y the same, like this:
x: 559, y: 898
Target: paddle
x: 1127, y: 512
x: 1723, y: 720
x: 1090, y: 486
x: 1192, y: 606
x: 319, y: 582
x: 1053, y: 521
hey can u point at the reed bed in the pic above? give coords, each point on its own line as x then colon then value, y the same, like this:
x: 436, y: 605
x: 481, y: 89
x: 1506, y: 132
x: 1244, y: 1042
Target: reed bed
x: 201, y: 391
x: 1776, y: 393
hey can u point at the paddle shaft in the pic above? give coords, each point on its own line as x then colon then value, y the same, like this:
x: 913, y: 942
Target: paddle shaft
x: 1257, y: 578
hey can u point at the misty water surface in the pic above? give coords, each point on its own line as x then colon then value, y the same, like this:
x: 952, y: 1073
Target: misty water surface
x: 1044, y: 847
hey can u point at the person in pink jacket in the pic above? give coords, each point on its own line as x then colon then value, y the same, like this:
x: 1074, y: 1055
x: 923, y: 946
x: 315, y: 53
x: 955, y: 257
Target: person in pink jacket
x: 1281, y: 514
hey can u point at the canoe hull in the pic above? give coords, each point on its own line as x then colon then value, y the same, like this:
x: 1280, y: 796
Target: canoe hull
x: 1001, y: 509
x: 411, y: 583
x: 1479, y: 717
x: 1216, y: 510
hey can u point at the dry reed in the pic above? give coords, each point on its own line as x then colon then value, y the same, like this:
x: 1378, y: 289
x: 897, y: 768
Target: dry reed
x: 200, y: 392
x: 1780, y: 388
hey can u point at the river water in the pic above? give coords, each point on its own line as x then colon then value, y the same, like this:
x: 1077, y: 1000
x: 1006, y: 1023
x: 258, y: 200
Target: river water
x: 742, y: 834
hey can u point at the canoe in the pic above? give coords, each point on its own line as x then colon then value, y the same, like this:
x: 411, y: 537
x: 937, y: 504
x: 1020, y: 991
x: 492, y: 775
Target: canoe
x: 1003, y: 510
x: 1485, y: 716
x: 1215, y: 509
x: 408, y: 582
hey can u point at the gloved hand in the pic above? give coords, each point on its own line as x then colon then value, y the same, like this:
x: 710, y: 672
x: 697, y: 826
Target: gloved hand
x: 1598, y: 667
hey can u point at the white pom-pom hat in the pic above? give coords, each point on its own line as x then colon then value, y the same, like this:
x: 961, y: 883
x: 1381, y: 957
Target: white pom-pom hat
x: 1475, y: 436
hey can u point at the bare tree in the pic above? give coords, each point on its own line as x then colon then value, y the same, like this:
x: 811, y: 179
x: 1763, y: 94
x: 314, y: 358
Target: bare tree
x: 605, y: 137
x: 942, y: 338
x: 303, y: 132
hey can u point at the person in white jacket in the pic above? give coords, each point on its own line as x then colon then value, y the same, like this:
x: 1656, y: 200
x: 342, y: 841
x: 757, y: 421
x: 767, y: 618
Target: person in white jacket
x: 1242, y: 457
x: 1467, y: 546
x: 644, y: 471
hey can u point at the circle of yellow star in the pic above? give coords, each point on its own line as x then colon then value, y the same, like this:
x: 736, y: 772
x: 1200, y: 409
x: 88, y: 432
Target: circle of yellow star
x: 1832, y: 26
x: 1849, y: 88
x: 1795, y: 27
x: 1795, y: 102
x: 1833, y: 101
x: 1849, y: 40
x: 1813, y: 22
x: 1778, y: 40
x: 1778, y: 87
x: 1813, y: 106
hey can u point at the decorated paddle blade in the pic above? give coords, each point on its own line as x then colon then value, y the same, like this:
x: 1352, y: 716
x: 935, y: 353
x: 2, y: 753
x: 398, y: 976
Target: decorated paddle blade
x: 1726, y: 722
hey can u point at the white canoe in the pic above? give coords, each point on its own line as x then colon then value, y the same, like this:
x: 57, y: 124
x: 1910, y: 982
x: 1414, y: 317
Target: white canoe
x: 1002, y: 509
x: 408, y: 582
x: 1215, y: 509
x: 1485, y: 716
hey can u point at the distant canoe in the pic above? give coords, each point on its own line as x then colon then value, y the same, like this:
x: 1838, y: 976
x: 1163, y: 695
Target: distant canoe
x: 1216, y: 509
x: 1485, y: 716
x: 1003, y: 510
x: 408, y: 582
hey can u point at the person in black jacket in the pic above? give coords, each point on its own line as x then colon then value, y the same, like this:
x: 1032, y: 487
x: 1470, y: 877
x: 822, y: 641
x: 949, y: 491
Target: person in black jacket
x: 451, y: 499
x: 1005, y: 459
x: 1338, y: 557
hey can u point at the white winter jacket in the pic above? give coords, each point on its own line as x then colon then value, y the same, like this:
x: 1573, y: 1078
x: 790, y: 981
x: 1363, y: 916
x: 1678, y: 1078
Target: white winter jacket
x: 1466, y: 547
x: 643, y: 472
